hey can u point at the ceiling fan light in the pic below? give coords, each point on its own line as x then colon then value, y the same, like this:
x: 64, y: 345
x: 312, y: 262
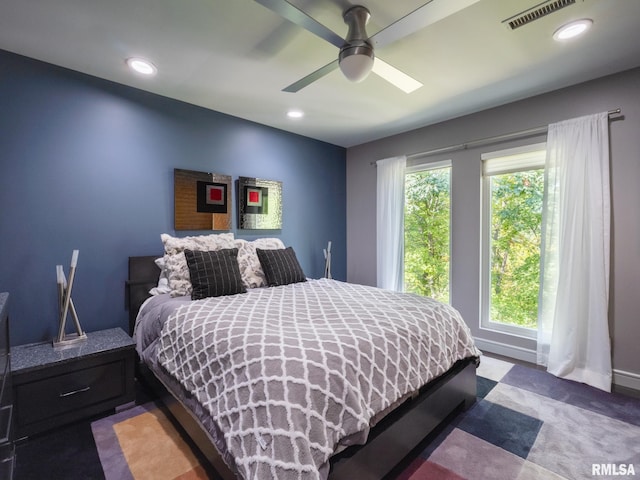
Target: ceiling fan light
x: 356, y: 62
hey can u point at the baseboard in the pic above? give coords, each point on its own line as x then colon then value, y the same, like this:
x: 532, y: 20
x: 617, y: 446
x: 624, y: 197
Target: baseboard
x: 620, y: 377
x: 626, y: 379
x: 506, y: 350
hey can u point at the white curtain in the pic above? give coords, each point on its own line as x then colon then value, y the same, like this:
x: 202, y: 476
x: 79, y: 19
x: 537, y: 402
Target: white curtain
x: 573, y: 330
x: 390, y: 222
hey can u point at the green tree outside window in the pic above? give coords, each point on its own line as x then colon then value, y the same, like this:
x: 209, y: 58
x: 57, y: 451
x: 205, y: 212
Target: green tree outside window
x: 516, y: 219
x: 426, y: 233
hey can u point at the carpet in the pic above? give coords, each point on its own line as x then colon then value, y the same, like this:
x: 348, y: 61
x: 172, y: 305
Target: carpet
x: 530, y: 425
x: 142, y: 443
x: 526, y: 425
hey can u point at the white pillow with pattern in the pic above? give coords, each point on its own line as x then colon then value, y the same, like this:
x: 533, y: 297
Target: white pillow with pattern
x: 176, y: 263
x: 250, y: 268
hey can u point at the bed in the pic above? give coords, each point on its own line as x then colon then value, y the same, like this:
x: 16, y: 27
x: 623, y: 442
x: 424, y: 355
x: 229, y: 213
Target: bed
x: 312, y: 379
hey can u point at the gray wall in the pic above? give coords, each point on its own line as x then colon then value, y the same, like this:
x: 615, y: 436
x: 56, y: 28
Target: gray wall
x: 620, y: 90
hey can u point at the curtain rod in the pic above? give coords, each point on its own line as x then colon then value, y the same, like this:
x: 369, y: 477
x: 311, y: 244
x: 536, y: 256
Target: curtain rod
x: 488, y: 140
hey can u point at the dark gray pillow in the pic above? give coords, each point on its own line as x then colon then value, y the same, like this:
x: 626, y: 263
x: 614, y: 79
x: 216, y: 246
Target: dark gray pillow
x: 214, y: 273
x: 280, y: 266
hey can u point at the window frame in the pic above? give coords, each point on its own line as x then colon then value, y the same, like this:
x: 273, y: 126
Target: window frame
x: 498, y: 163
x: 423, y: 167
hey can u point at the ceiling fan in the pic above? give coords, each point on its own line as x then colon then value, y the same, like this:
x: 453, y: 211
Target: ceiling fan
x: 357, y: 57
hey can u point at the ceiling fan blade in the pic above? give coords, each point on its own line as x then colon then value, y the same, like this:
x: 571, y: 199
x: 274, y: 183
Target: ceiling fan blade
x: 421, y: 17
x: 395, y: 77
x: 312, y: 77
x: 297, y: 16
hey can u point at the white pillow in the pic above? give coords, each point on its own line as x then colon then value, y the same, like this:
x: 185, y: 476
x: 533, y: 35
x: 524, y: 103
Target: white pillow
x: 176, y: 263
x: 250, y: 268
x: 163, y: 281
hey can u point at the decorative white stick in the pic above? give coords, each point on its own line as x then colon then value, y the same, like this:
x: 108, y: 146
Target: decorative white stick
x: 72, y: 307
x: 327, y: 263
x: 61, y: 285
x: 67, y: 296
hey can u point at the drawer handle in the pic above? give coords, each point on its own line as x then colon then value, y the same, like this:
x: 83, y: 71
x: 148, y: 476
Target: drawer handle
x: 74, y: 392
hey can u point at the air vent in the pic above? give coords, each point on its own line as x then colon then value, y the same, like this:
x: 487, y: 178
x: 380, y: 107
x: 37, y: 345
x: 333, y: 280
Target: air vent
x: 534, y: 13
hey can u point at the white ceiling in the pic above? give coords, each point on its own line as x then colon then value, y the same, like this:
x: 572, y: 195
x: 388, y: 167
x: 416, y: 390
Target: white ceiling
x: 235, y: 56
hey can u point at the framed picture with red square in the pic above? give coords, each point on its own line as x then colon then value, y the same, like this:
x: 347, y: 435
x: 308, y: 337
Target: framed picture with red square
x: 259, y: 204
x: 202, y: 201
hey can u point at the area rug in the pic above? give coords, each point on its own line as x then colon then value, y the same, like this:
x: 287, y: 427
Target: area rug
x: 142, y: 443
x: 526, y: 425
x: 530, y: 425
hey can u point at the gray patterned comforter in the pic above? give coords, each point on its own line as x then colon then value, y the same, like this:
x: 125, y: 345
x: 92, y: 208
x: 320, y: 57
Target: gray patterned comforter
x: 288, y: 372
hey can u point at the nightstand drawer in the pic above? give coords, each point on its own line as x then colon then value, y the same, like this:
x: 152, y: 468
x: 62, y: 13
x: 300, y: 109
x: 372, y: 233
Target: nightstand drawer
x: 53, y: 387
x: 56, y: 395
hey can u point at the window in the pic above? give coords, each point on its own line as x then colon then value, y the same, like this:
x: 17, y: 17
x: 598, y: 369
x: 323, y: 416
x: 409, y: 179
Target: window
x: 513, y: 188
x: 426, y: 230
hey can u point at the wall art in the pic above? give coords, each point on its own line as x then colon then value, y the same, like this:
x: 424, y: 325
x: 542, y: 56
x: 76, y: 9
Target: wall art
x: 259, y: 204
x: 202, y: 201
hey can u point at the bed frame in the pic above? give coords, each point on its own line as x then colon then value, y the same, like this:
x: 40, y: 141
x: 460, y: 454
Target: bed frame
x: 408, y: 427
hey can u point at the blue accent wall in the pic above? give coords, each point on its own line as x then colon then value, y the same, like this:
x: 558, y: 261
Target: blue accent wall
x: 88, y: 164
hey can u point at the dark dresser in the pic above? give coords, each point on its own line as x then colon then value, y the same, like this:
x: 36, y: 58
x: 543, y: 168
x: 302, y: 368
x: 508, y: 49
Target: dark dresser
x: 53, y: 387
x: 6, y: 404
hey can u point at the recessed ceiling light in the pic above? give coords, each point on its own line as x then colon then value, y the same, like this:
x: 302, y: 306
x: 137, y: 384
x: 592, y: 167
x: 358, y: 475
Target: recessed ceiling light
x: 142, y: 66
x: 572, y: 29
x: 295, y: 114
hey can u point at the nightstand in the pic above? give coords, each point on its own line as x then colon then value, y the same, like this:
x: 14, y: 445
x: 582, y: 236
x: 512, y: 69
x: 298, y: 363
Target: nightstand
x: 6, y: 407
x: 55, y: 387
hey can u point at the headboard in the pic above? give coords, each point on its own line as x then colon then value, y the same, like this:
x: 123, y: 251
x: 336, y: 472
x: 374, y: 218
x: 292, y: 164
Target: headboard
x: 143, y: 276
